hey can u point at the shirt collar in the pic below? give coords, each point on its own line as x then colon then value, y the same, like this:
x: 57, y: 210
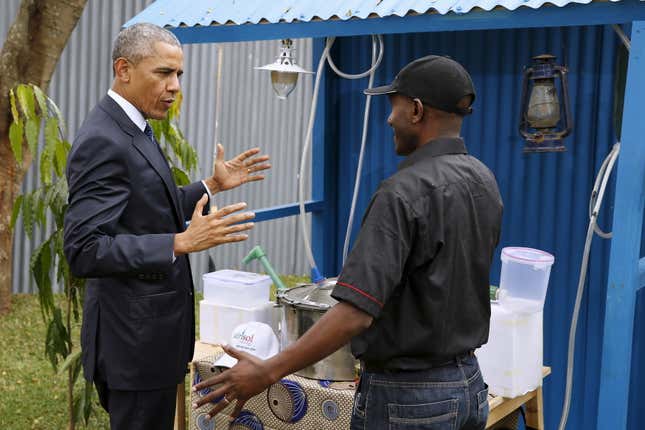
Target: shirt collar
x: 129, y: 109
x: 435, y: 148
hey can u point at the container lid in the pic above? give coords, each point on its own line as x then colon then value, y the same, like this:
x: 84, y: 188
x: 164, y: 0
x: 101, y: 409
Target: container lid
x: 535, y: 257
x: 236, y: 277
x: 311, y: 296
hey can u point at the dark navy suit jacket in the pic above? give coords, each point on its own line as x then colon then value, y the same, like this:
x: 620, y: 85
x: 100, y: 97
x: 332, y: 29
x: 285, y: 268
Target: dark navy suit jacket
x: 124, y: 210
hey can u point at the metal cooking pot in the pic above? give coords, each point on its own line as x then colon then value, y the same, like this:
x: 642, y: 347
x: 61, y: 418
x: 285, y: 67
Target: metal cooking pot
x: 302, y: 306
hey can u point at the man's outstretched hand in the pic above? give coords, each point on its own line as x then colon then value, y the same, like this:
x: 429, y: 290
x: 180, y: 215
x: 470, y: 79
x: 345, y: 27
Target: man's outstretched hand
x: 218, y: 227
x: 239, y: 383
x: 237, y: 171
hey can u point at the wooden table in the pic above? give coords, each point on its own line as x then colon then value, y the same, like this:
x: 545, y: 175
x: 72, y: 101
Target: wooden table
x: 501, y: 407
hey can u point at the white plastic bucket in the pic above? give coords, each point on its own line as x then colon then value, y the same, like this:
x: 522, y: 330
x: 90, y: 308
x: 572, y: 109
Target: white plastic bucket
x: 511, y: 361
x: 236, y: 288
x: 524, y: 278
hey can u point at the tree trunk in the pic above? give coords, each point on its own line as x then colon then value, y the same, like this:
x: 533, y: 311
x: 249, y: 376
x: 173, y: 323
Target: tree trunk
x: 8, y: 189
x: 30, y: 53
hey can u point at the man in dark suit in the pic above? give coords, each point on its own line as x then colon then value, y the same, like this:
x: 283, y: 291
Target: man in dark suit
x: 125, y: 230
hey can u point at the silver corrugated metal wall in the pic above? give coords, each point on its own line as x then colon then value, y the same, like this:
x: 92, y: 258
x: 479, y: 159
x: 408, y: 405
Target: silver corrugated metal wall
x: 248, y: 115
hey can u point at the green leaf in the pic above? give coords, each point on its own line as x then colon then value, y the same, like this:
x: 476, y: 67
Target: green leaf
x: 41, y: 264
x: 32, y: 130
x: 41, y: 98
x: 15, y: 138
x: 181, y: 178
x: 14, y: 110
x: 78, y: 285
x: 57, y: 339
x: 28, y: 215
x: 60, y: 157
x: 83, y: 404
x: 46, y: 165
x: 26, y: 100
x: 52, y: 135
x: 40, y: 204
x: 58, y: 116
x: 75, y: 286
x: 190, y: 158
x: 17, y: 205
x: 58, y: 197
x: 71, y: 360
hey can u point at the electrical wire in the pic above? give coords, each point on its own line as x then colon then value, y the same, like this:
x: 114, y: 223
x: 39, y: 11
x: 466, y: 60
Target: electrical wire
x: 325, y: 57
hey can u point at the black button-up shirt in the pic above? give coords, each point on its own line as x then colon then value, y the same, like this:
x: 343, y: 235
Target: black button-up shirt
x: 420, y: 264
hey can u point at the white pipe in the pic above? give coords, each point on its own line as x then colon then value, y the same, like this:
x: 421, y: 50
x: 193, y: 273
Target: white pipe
x: 359, y: 167
x: 603, y: 176
x: 312, y: 114
x: 305, y: 149
x: 621, y: 34
x: 368, y: 71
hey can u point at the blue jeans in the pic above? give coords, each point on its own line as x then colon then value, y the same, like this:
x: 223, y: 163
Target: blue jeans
x: 451, y: 397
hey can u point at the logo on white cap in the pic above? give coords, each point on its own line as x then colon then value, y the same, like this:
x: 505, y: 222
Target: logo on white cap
x: 255, y: 338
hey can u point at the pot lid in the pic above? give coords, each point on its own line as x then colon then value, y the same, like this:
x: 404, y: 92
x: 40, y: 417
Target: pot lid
x: 315, y: 296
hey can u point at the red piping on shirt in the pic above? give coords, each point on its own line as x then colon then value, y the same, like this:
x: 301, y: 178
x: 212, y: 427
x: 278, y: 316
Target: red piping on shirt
x: 360, y: 292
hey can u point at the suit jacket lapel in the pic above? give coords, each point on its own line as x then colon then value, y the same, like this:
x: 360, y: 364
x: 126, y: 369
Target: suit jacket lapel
x: 159, y: 164
x: 147, y: 149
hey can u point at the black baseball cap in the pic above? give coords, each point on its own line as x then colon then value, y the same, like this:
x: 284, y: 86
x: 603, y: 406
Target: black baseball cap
x: 439, y: 82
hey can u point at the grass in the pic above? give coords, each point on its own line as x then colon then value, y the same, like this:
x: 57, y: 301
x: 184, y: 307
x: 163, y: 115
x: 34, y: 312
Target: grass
x: 32, y: 395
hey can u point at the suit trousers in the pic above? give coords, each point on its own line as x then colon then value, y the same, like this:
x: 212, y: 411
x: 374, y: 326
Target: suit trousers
x: 138, y: 410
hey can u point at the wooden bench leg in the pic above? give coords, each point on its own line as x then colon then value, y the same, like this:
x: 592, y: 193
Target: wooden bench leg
x: 180, y: 409
x: 535, y: 411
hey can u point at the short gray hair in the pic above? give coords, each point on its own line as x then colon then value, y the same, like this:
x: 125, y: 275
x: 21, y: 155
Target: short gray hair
x: 136, y: 42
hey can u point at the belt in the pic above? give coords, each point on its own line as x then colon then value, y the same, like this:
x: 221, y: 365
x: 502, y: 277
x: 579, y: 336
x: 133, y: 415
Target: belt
x: 379, y: 367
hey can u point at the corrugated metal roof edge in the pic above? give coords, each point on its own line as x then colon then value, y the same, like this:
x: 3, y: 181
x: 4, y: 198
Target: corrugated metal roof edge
x: 411, y: 12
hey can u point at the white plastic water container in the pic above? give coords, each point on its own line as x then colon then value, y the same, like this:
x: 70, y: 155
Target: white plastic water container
x: 217, y: 321
x: 236, y: 288
x: 511, y: 361
x: 524, y: 278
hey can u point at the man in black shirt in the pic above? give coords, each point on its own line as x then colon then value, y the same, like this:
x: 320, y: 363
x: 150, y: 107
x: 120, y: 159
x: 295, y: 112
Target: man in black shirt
x: 413, y: 293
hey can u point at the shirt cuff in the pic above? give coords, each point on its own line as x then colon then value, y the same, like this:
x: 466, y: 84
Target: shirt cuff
x: 210, y: 195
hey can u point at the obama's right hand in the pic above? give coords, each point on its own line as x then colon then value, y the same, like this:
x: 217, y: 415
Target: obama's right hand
x: 225, y: 225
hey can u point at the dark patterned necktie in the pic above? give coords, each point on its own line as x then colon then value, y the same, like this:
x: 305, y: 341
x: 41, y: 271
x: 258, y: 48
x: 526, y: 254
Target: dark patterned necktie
x: 148, y: 132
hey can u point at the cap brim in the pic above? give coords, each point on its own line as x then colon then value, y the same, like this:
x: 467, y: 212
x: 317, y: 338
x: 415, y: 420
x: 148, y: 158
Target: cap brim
x: 225, y: 360
x: 378, y: 91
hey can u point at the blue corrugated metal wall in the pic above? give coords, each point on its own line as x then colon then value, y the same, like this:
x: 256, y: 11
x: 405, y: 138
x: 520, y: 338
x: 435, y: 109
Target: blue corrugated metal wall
x: 637, y: 377
x: 546, y: 196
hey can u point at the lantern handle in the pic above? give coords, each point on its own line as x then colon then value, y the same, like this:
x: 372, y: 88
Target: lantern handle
x: 524, y: 102
x: 564, y: 82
